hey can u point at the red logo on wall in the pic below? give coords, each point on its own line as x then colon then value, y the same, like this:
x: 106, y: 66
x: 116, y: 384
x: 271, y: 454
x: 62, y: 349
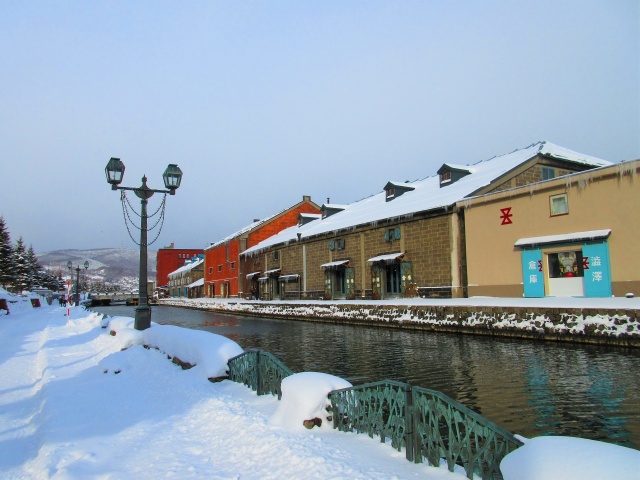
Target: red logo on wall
x: 506, y: 216
x: 585, y: 263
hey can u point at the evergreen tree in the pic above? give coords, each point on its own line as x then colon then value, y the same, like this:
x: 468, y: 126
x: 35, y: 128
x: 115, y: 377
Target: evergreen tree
x: 22, y: 269
x: 6, y: 256
x: 35, y: 270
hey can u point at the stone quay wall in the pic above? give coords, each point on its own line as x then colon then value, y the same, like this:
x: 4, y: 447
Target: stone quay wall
x: 620, y: 327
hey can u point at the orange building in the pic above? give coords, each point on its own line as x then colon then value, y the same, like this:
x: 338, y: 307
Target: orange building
x: 169, y: 259
x: 223, y: 273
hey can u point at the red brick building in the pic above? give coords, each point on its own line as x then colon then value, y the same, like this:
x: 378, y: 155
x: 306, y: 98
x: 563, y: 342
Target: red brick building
x: 169, y: 259
x: 223, y: 275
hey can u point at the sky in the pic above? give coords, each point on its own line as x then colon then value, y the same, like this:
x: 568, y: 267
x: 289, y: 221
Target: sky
x: 260, y: 103
x: 78, y: 403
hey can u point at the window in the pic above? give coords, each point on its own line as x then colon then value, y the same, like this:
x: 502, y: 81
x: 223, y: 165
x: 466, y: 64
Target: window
x: 276, y: 255
x: 392, y: 234
x: 558, y: 204
x: 210, y: 270
x: 548, y: 173
x: 566, y: 264
x: 233, y: 265
x: 445, y: 176
x: 220, y: 268
x: 390, y: 192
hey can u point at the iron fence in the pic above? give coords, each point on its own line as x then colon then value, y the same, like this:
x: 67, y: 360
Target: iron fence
x: 426, y: 423
x: 260, y: 371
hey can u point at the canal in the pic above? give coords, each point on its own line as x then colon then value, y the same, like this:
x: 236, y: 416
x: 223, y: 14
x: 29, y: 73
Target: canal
x: 527, y: 387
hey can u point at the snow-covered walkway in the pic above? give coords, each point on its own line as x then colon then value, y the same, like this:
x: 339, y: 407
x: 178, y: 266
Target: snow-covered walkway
x: 74, y: 405
x: 62, y: 417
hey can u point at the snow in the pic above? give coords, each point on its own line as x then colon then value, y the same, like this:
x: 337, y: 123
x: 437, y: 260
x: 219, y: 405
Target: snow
x: 304, y: 397
x: 74, y: 406
x: 553, y: 458
x: 568, y: 237
x: 77, y: 402
x: 386, y: 257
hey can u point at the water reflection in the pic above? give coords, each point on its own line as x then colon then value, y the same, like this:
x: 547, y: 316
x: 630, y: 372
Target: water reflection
x: 530, y: 388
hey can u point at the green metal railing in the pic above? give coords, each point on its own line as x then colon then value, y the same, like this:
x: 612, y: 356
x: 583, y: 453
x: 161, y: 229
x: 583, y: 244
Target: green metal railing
x: 426, y: 423
x: 260, y: 371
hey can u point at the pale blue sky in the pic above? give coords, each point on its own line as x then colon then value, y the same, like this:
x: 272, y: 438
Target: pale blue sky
x: 260, y: 103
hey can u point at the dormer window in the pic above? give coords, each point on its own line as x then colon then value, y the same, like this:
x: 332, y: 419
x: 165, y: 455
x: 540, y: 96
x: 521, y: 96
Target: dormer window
x: 396, y: 189
x: 305, y: 218
x: 331, y: 209
x: 450, y: 173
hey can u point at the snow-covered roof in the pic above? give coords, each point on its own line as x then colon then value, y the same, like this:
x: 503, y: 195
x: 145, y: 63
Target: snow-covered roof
x: 454, y: 166
x: 253, y: 225
x: 334, y: 206
x: 336, y: 263
x: 426, y: 196
x: 288, y: 278
x: 197, y: 283
x: 386, y: 257
x: 406, y: 185
x: 563, y: 238
x: 188, y: 266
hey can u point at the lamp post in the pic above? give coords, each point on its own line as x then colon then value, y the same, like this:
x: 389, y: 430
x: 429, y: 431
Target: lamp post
x: 172, y: 177
x: 76, y: 297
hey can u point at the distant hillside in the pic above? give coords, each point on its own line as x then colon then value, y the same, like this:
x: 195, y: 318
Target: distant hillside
x: 111, y: 264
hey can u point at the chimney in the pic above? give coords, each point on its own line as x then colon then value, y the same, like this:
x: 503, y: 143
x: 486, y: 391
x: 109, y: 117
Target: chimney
x: 328, y: 200
x: 306, y: 198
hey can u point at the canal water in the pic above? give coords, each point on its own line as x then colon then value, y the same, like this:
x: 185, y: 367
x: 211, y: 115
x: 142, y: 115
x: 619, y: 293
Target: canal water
x: 527, y: 387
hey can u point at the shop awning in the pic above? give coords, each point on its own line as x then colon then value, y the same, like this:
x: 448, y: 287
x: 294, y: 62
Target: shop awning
x: 253, y: 274
x: 389, y: 257
x: 336, y: 263
x: 563, y: 238
x: 271, y: 272
x: 289, y: 278
x: 197, y: 283
x: 263, y: 279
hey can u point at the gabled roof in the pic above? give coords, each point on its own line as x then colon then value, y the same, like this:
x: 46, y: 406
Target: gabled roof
x: 455, y: 167
x: 188, y: 266
x: 256, y: 224
x: 427, y: 194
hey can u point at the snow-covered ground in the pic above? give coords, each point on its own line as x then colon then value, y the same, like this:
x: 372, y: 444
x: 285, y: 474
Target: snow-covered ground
x: 74, y: 405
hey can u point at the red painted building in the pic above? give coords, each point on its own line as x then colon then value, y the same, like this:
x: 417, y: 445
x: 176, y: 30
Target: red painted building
x: 223, y: 274
x: 169, y: 259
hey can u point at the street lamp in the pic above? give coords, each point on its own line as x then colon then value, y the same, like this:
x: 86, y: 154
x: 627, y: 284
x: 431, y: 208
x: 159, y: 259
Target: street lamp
x: 172, y: 177
x: 76, y: 298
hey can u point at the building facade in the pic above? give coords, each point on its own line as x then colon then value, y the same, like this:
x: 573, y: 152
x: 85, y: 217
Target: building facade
x: 224, y: 273
x: 169, y: 259
x: 186, y: 281
x: 408, y: 240
x: 571, y: 236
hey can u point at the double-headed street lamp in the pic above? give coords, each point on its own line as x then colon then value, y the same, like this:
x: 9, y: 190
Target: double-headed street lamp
x: 172, y: 177
x: 76, y: 298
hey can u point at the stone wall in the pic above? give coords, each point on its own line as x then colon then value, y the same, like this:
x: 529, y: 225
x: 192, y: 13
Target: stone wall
x: 598, y: 326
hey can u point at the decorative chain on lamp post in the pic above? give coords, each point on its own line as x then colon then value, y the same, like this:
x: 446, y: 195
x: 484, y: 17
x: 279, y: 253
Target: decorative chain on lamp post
x: 172, y: 177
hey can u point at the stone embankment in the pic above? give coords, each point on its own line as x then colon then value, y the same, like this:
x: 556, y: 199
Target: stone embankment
x: 611, y: 326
